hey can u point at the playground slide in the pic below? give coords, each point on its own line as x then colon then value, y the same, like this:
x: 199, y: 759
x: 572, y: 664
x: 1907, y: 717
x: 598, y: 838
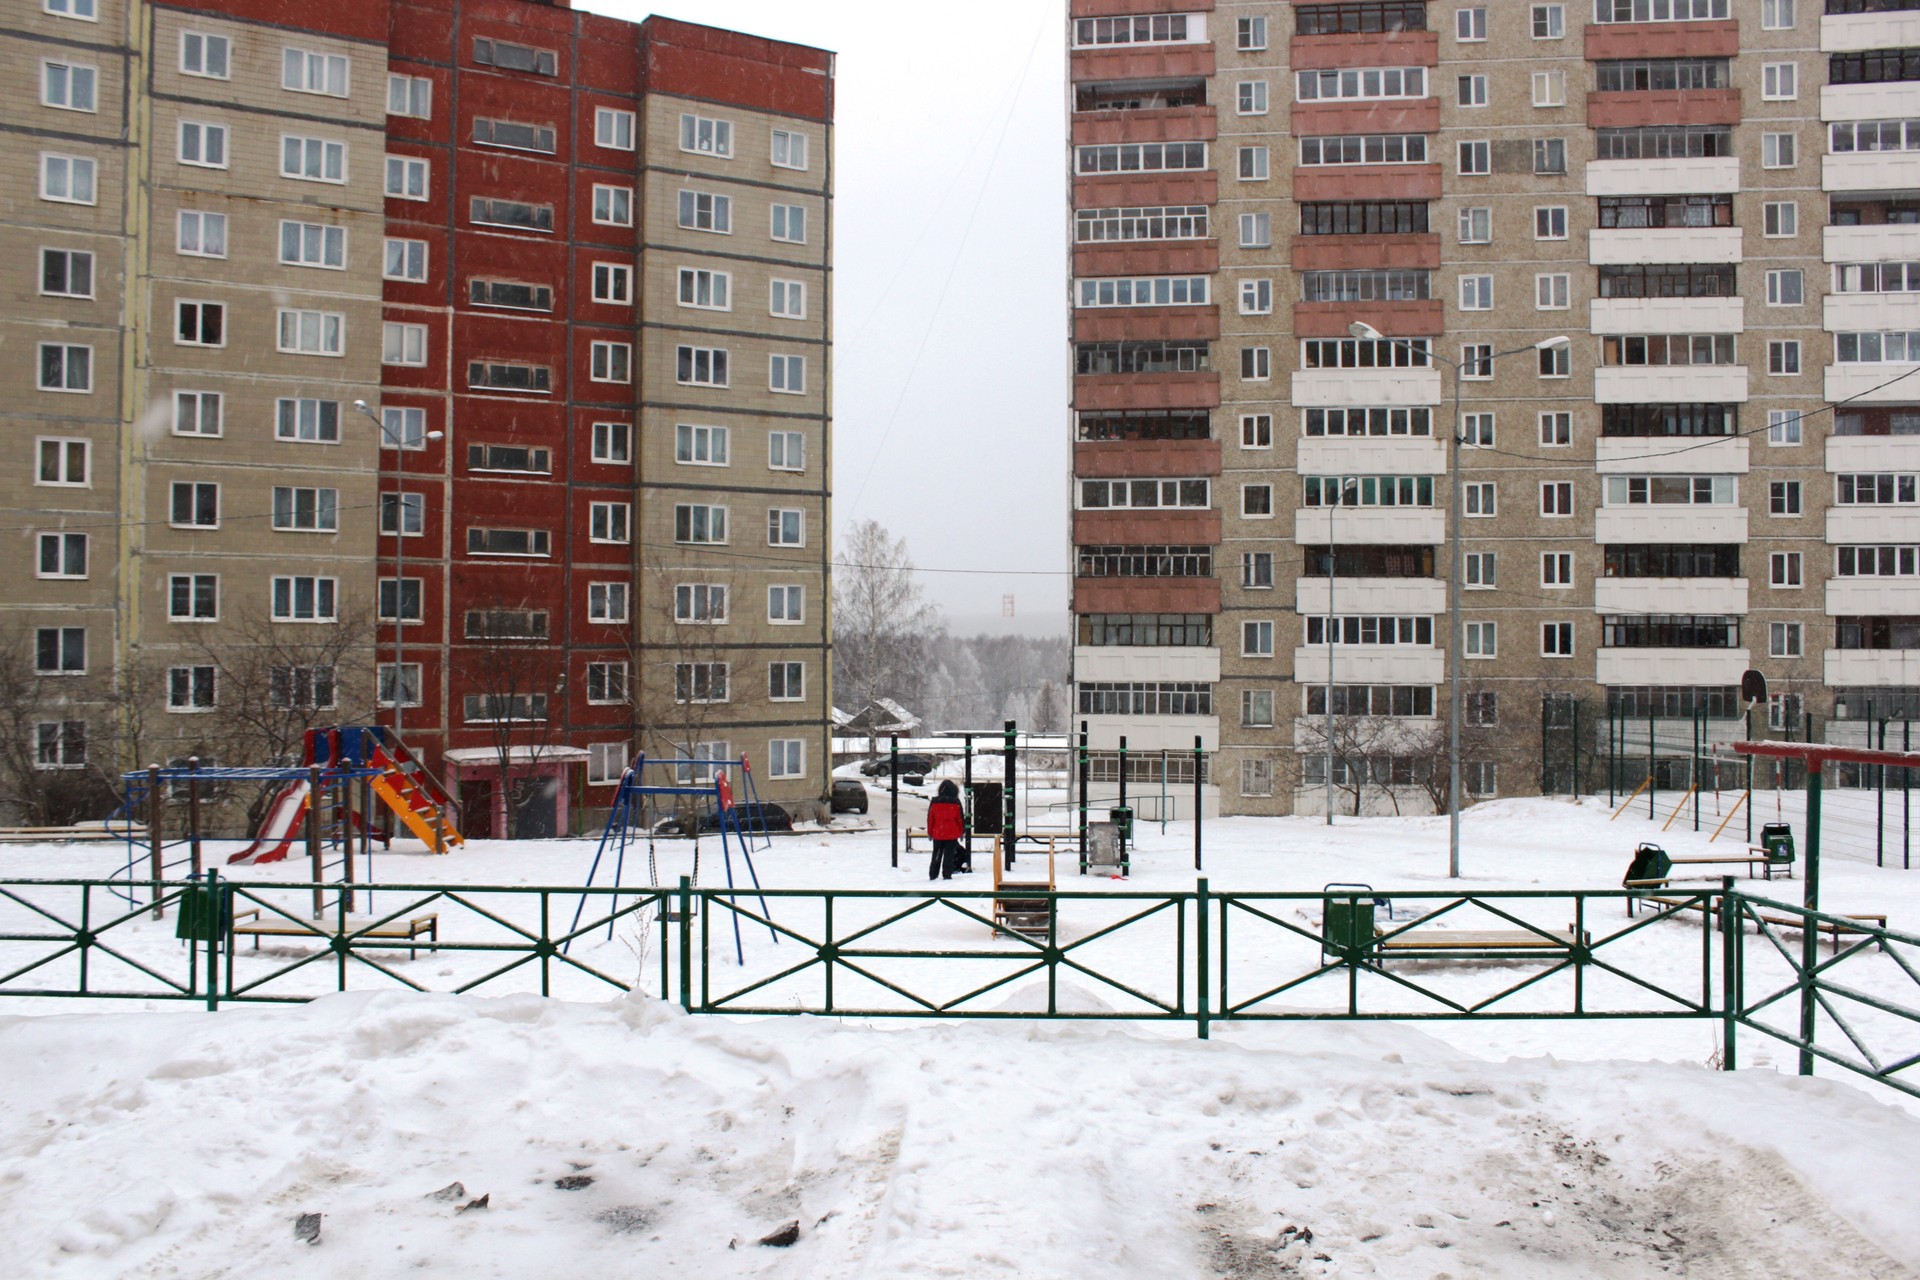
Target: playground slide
x: 279, y: 831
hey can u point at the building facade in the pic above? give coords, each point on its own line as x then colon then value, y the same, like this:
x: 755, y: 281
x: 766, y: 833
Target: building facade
x: 1658, y: 249
x: 458, y: 363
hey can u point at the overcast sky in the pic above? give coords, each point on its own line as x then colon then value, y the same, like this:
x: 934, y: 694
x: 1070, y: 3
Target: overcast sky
x: 950, y: 382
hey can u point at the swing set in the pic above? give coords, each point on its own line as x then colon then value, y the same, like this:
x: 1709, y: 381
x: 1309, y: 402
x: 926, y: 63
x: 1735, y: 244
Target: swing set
x: 636, y: 804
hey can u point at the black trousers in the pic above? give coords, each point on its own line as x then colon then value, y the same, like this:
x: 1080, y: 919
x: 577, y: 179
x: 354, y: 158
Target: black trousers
x: 948, y: 857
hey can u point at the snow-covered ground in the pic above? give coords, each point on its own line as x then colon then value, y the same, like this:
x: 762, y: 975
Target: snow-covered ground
x: 156, y: 1140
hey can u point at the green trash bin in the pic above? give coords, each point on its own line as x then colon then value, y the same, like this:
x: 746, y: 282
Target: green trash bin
x: 1122, y: 818
x: 198, y: 918
x: 1349, y: 920
x: 1777, y: 839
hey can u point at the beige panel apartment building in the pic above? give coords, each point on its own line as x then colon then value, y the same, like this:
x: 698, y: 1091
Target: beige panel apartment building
x: 1660, y: 221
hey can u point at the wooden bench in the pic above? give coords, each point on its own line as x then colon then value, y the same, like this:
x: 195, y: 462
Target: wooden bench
x: 1047, y: 837
x: 410, y: 931
x: 1030, y: 917
x: 1833, y: 928
x: 1478, y: 944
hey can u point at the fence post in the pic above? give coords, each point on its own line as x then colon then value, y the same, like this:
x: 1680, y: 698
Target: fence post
x: 1906, y: 799
x: 1810, y: 936
x: 1009, y: 803
x: 193, y: 810
x: 1729, y: 969
x: 217, y: 924
x: 1083, y: 772
x: 893, y: 794
x: 344, y: 806
x: 1576, y: 752
x: 1199, y: 797
x: 1880, y: 828
x: 1203, y: 971
x: 313, y: 838
x: 966, y: 791
x: 156, y: 837
x: 1653, y: 731
x: 686, y: 944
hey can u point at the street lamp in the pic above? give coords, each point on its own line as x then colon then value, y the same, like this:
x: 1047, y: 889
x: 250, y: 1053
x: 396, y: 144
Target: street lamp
x: 399, y: 557
x: 1368, y: 333
x: 1348, y: 485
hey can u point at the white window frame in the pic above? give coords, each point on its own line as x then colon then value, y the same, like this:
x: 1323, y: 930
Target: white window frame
x: 610, y: 523
x: 306, y: 143
x: 791, y: 681
x: 1256, y: 297
x: 1777, y: 282
x: 1482, y: 571
x: 69, y: 167
x: 700, y: 445
x: 1552, y: 291
x: 200, y: 220
x: 313, y: 71
x: 697, y: 517
x: 1256, y: 638
x: 323, y: 322
x: 182, y: 693
x: 787, y: 299
x: 706, y: 136
x: 326, y: 598
x: 1482, y: 640
x: 1551, y: 494
x: 1780, y: 219
x: 1557, y: 640
x: 323, y: 507
x: 1250, y: 35
x: 1776, y: 15
x: 784, y: 220
x: 1550, y: 422
x: 715, y: 286
x: 1470, y: 24
x: 207, y: 43
x: 1480, y: 500
x: 413, y: 93
x: 608, y: 602
x: 1786, y: 571
x: 1476, y: 293
x: 76, y: 74
x: 787, y: 374
x: 1253, y: 165
x: 407, y: 169
x: 402, y: 344
x: 328, y: 233
x: 719, y: 366
x: 1783, y: 358
x: 786, y: 451
x: 1779, y: 81
x: 1784, y: 428
x: 613, y: 284
x: 615, y: 203
x: 610, y: 362
x: 786, y: 527
x: 786, y: 757
x: 1476, y: 225
x: 1786, y: 640
x: 719, y: 216
x: 1256, y: 431
x: 67, y: 384
x: 1473, y: 158
x: 1556, y: 570
x: 791, y: 607
x: 61, y: 541
x: 1555, y: 216
x: 199, y: 416
x: 694, y: 603
x: 1256, y: 230
x: 1250, y: 98
x: 1550, y: 88
x: 1779, y: 151
x: 415, y: 260
x: 199, y: 309
x: 1470, y: 91
x: 1551, y: 17
x: 613, y: 129
x: 787, y: 149
x: 612, y: 443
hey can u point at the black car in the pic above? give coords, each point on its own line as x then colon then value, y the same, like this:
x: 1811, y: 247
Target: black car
x: 911, y: 765
x: 754, y: 818
x: 849, y: 796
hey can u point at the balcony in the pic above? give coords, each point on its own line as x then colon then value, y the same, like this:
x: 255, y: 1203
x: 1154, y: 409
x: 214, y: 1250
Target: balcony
x: 1650, y: 246
x: 1658, y: 384
x: 1667, y: 315
x: 1854, y: 312
x: 1345, y: 253
x: 1189, y: 61
x: 1148, y: 391
x: 1666, y: 596
x: 1889, y: 243
x: 1365, y: 49
x: 1863, y: 526
x: 1367, y: 182
x: 1370, y: 664
x: 1117, y: 459
x: 1147, y: 258
x: 1410, y: 319
x: 1695, y: 176
x: 1671, y: 455
x: 1394, y: 388
x: 1892, y: 101
x: 1391, y: 115
x: 1188, y: 528
x: 1610, y: 40
x: 1372, y: 595
x: 1857, y: 667
x: 1145, y: 663
x: 1632, y: 109
x: 1146, y: 595
x: 1197, y: 123
x: 1863, y: 597
x: 1857, y: 32
x: 1370, y: 526
x: 1701, y: 524
x: 1870, y: 170
x: 1671, y: 666
x: 1872, y: 453
x: 1146, y: 324
x: 1865, y: 382
x: 1370, y: 455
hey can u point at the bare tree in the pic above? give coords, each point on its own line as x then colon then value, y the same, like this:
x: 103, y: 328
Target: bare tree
x: 689, y: 685
x: 881, y: 620
x: 514, y: 677
x: 1357, y: 741
x: 48, y: 772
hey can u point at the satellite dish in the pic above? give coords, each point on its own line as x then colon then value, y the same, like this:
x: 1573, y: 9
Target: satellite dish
x: 1753, y: 687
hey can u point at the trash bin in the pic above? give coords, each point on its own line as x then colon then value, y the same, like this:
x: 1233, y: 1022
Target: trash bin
x: 1777, y: 839
x: 988, y: 800
x: 198, y: 918
x: 1349, y: 920
x: 1122, y: 819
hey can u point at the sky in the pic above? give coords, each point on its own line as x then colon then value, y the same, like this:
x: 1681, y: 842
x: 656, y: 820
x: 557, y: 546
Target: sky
x: 951, y: 380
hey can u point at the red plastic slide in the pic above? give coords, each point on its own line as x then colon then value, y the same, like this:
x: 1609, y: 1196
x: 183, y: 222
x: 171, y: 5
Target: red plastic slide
x: 280, y: 830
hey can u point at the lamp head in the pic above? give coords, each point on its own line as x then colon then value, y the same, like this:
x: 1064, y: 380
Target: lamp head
x: 436, y: 435
x: 361, y: 405
x: 1559, y: 340
x: 1361, y: 329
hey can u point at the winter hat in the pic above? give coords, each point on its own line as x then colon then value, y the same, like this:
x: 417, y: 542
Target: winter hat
x: 948, y: 791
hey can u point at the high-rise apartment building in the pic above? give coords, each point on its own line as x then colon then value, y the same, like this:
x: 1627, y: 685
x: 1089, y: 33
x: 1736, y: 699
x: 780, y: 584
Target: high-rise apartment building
x: 1659, y: 249
x: 465, y: 355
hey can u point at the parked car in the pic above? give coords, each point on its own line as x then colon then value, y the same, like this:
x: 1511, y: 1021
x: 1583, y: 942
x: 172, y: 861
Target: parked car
x: 754, y: 818
x: 849, y: 796
x: 912, y: 764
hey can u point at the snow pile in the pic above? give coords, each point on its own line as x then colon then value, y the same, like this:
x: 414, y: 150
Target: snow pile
x: 627, y: 1139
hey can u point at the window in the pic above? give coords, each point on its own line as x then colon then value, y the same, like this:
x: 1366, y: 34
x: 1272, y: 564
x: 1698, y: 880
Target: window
x: 1659, y: 10
x: 786, y: 604
x: 613, y: 129
x: 1779, y: 81
x: 66, y: 273
x: 612, y: 283
x: 1256, y: 364
x: 1476, y: 226
x: 1476, y: 158
x: 1250, y: 97
x: 516, y: 295
x: 399, y: 683
x: 1783, y: 498
x: 786, y: 681
x: 1556, y: 639
x: 196, y: 413
x: 513, y: 135
x: 606, y: 683
x: 303, y: 599
x: 66, y: 367
x: 502, y: 708
x: 1470, y: 24
x: 701, y: 366
x: 1361, y: 83
x: 403, y: 428
x: 1556, y: 498
x: 1785, y: 288
x: 1783, y: 357
x: 66, y: 179
x: 313, y: 333
x: 1256, y: 570
x: 1476, y: 360
x: 314, y: 160
x: 1256, y: 297
x: 1253, y: 162
x: 1482, y: 638
x: 194, y: 504
x: 1481, y: 566
x: 409, y: 96
x: 702, y: 212
x: 204, y: 55
x: 300, y: 687
x: 786, y: 528
x: 1355, y: 353
x: 700, y: 682
x: 787, y: 299
x: 1881, y: 489
x: 613, y: 206
x: 1776, y: 151
x: 789, y: 223
x: 789, y: 149
x: 609, y: 522
x: 407, y: 178
x: 517, y: 215
x: 1256, y: 230
x: 1780, y: 218
x: 1140, y: 157
x: 699, y: 602
x: 506, y: 624
x: 1556, y: 362
x: 190, y: 689
x: 1783, y: 427
x: 1551, y: 292
x: 307, y: 420
x: 1472, y: 91
x: 1550, y: 222
x: 1783, y: 640
x: 1776, y: 15
x: 1256, y: 639
x: 303, y: 71
x: 1356, y: 148
x: 306, y: 510
x: 1556, y: 569
x: 60, y: 651
x: 1483, y: 708
x: 1481, y: 777
x: 1476, y: 293
x: 706, y: 136
x: 705, y: 289
x: 786, y: 451
x: 515, y: 57
x: 700, y: 446
x: 200, y: 324
x: 787, y: 374
x: 1256, y: 431
x: 1549, y: 155
x: 786, y: 757
x: 70, y: 86
x: 483, y: 541
x: 405, y: 260
x: 60, y: 744
x: 699, y: 524
x: 203, y: 145
x: 611, y: 362
x: 612, y: 442
x: 1783, y: 569
x: 202, y: 235
x: 1550, y: 88
x: 314, y: 244
x: 606, y: 602
x: 403, y: 514
x: 62, y: 555
x: 1549, y: 21
x: 193, y: 597
x: 1251, y: 35
x: 1143, y: 291
x: 1476, y: 430
x: 1556, y: 429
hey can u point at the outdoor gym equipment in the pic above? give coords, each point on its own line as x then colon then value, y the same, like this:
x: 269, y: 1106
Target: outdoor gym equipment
x: 631, y: 803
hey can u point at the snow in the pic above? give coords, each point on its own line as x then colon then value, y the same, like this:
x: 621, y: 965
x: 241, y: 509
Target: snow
x: 158, y: 1140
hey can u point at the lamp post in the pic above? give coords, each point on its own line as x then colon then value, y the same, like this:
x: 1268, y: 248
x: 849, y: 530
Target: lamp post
x: 1456, y: 627
x: 399, y: 557
x: 1345, y: 486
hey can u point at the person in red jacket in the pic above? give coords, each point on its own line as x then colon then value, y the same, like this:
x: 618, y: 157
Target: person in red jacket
x: 946, y: 827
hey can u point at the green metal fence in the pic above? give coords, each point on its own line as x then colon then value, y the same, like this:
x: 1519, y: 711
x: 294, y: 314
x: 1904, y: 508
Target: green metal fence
x: 1193, y: 956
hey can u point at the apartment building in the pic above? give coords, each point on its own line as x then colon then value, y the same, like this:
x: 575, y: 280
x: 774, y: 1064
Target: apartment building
x: 461, y: 363
x: 1656, y: 250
